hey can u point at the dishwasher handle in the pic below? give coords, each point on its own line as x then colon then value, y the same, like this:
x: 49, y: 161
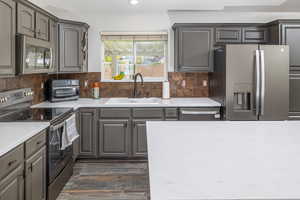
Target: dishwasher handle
x: 215, y: 113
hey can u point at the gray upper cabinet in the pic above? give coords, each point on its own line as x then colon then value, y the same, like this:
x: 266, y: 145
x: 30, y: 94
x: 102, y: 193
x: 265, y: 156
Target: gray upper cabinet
x: 88, y: 136
x: 35, y: 182
x: 12, y: 186
x: 255, y: 35
x: 229, y: 35
x: 291, y: 36
x: 26, y: 20
x: 114, y: 140
x: 71, y: 55
x: 7, y: 37
x: 194, y: 49
x: 42, y: 26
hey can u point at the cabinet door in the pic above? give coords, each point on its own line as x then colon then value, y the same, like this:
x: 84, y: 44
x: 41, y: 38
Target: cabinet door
x: 54, y: 44
x: 7, y: 37
x: 255, y: 35
x: 114, y: 141
x: 12, y: 186
x: 194, y: 49
x: 294, y: 96
x: 139, y: 138
x: 35, y: 182
x: 291, y: 37
x: 42, y: 27
x: 229, y: 35
x: 70, y: 48
x: 88, y: 137
x: 26, y: 20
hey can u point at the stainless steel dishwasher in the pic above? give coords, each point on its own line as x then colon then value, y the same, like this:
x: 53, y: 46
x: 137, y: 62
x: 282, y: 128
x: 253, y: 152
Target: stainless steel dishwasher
x: 199, y: 114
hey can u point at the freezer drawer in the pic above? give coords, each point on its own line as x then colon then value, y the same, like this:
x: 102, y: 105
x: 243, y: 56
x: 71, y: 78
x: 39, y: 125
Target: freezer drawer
x: 199, y: 114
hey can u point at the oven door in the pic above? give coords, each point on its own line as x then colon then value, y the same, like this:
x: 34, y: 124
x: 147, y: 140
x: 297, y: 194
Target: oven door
x: 57, y: 158
x: 35, y: 56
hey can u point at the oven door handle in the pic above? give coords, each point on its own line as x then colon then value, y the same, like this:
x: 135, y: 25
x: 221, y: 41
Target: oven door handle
x: 55, y: 127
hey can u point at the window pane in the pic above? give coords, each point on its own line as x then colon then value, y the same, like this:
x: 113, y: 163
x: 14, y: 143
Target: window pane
x: 150, y: 58
x: 118, y: 57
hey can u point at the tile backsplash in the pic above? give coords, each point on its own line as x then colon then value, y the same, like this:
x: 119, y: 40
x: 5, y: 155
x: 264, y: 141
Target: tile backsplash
x: 181, y: 85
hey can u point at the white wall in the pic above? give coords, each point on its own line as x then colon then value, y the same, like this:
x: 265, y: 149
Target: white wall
x: 159, y: 22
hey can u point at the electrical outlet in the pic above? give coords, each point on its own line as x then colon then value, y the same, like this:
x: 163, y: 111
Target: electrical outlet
x: 86, y: 83
x: 42, y: 85
x: 204, y: 83
x: 183, y: 83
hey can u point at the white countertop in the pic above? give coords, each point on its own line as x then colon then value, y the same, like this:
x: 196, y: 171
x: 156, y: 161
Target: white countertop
x: 103, y: 102
x: 13, y: 134
x: 224, y: 160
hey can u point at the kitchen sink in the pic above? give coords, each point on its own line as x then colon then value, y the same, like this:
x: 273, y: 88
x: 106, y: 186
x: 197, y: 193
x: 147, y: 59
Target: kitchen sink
x: 134, y: 101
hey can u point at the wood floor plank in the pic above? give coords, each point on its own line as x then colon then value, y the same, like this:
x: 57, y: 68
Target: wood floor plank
x: 108, y: 181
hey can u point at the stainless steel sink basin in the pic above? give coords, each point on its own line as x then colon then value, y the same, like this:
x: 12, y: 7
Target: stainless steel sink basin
x: 134, y: 101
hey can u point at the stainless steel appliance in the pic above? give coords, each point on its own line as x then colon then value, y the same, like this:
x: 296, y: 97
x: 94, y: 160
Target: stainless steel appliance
x: 34, y: 55
x: 252, y: 81
x: 15, y: 107
x: 62, y: 90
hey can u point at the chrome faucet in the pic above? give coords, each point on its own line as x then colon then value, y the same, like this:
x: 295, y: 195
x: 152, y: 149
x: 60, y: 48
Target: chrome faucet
x: 135, y: 94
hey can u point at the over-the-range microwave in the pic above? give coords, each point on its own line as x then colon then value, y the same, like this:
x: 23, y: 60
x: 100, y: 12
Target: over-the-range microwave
x: 34, y: 55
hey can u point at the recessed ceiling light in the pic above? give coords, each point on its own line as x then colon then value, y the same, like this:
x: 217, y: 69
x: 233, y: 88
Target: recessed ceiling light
x: 134, y: 2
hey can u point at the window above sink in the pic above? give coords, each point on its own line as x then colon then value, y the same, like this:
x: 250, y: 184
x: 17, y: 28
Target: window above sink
x: 125, y: 54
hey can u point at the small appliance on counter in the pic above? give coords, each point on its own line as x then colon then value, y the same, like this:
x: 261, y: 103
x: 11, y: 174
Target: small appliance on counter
x: 62, y: 90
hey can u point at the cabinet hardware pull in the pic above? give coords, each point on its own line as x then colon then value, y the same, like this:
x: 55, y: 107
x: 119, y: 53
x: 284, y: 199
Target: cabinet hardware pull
x: 12, y: 162
x: 38, y: 142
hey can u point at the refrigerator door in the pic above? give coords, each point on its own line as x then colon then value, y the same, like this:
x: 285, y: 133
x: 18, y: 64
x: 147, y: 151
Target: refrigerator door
x: 274, y: 82
x: 242, y: 95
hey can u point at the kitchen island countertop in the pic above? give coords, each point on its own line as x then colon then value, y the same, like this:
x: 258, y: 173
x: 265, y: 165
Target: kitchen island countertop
x: 224, y: 160
x: 14, y: 134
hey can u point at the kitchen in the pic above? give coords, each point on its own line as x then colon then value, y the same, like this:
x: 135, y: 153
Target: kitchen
x: 139, y: 99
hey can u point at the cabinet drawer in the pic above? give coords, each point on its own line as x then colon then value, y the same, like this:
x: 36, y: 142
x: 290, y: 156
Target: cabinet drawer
x: 115, y: 113
x: 148, y: 113
x: 171, y: 113
x: 11, y: 160
x: 35, y: 143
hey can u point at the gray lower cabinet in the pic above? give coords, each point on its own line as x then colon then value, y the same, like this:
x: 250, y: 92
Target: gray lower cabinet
x: 7, y: 37
x: 114, y: 140
x: 35, y: 173
x: 294, y: 96
x: 88, y: 135
x: 139, y: 139
x: 12, y: 185
x: 26, y: 20
x: 194, y: 49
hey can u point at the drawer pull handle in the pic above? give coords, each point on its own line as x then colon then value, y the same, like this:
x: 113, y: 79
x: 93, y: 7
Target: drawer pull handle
x: 12, y: 162
x: 199, y: 112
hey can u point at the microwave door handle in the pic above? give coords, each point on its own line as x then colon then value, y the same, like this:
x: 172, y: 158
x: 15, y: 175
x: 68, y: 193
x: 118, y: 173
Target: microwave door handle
x: 51, y: 59
x: 263, y: 81
x: 257, y: 79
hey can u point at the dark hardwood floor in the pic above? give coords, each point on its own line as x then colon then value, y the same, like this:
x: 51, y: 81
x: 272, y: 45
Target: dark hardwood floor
x: 108, y: 181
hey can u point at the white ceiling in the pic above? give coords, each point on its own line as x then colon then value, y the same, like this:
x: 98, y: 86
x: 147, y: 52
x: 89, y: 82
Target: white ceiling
x: 117, y: 6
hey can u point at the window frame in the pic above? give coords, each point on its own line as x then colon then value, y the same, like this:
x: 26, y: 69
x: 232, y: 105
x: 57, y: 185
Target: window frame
x: 146, y: 79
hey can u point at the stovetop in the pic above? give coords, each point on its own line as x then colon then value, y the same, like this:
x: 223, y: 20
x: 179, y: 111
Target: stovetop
x: 34, y: 114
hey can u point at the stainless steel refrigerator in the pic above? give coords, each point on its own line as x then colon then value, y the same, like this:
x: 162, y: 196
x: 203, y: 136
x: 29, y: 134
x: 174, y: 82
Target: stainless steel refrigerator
x: 252, y: 81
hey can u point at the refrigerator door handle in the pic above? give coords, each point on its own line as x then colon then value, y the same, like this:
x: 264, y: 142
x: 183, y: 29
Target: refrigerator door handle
x: 257, y: 96
x: 263, y: 82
